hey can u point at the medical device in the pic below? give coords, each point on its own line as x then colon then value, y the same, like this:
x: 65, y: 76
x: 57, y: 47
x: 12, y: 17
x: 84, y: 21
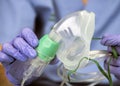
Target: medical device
x: 73, y: 35
x: 70, y: 40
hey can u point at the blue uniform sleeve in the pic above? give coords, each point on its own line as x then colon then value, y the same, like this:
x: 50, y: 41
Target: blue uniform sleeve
x: 14, y: 16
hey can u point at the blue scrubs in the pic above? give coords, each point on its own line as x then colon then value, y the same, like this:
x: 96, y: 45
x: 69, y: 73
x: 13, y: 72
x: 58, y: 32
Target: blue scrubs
x: 35, y: 14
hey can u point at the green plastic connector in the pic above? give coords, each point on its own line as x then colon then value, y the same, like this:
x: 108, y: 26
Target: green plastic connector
x: 47, y: 48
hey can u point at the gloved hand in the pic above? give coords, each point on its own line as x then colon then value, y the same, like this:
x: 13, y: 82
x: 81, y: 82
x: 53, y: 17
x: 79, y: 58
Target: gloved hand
x: 110, y: 41
x: 16, y: 52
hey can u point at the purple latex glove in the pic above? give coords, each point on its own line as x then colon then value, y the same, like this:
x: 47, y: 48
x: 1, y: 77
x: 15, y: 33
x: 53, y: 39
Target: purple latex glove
x: 15, y: 53
x: 112, y: 40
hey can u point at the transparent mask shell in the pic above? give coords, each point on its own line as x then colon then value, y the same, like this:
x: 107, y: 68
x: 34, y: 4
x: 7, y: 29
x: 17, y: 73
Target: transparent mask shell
x: 76, y: 31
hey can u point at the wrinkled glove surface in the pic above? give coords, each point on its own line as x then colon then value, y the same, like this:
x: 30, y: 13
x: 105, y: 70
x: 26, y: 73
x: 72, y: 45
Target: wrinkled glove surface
x: 112, y: 41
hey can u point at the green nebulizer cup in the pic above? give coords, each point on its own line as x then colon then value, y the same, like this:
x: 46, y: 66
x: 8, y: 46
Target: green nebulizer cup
x: 47, y: 49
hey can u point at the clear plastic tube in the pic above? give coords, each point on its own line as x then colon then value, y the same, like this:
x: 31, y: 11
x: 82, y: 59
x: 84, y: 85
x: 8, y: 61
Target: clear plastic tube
x: 34, y: 69
x: 27, y: 70
x: 78, y: 77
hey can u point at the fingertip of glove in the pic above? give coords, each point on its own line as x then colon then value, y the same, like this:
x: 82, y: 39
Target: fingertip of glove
x: 32, y: 53
x: 6, y: 47
x: 5, y: 58
x: 34, y: 42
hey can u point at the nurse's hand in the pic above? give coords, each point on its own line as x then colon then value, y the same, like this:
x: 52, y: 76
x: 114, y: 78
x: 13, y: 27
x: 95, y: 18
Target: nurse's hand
x: 114, y: 41
x: 19, y: 49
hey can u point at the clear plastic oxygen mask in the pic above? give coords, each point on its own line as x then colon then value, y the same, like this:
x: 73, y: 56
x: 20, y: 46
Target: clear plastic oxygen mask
x: 76, y: 31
